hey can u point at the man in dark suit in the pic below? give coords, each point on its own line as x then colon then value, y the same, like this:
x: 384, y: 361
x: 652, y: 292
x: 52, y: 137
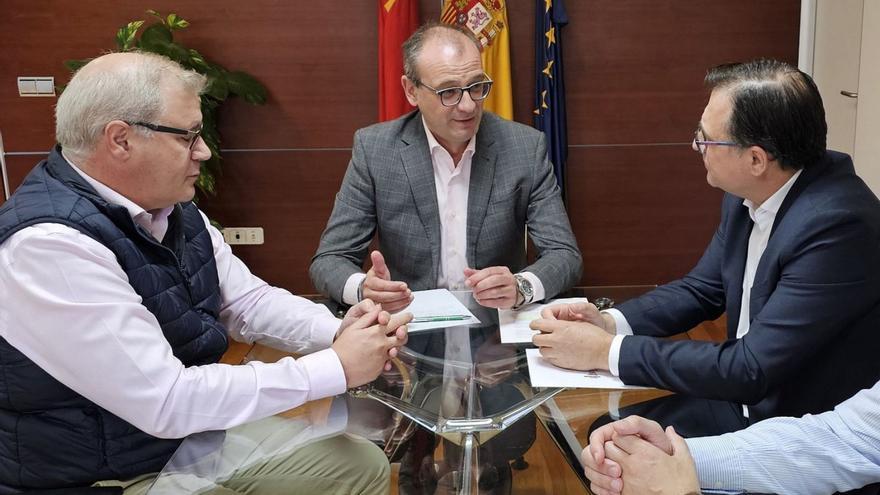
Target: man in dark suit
x: 795, y: 264
x: 450, y: 191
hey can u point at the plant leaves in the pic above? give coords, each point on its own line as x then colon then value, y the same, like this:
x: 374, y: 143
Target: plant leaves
x: 156, y: 15
x: 154, y: 35
x: 217, y: 86
x: 173, y: 21
x: 244, y: 85
x: 125, y: 36
x: 75, y: 65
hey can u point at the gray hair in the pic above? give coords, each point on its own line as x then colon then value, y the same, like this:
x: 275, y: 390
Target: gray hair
x: 131, y: 92
x: 412, y: 47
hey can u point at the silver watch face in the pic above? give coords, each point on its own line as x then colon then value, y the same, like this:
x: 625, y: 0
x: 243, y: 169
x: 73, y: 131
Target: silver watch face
x: 524, y: 286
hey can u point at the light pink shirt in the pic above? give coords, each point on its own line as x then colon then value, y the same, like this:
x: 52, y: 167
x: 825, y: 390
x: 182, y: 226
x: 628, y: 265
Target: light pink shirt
x: 67, y: 305
x: 452, y: 183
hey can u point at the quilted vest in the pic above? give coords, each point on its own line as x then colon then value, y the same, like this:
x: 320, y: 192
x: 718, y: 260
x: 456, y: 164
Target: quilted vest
x: 52, y: 437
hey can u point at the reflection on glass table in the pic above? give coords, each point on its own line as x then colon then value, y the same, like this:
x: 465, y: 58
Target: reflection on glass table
x: 457, y: 414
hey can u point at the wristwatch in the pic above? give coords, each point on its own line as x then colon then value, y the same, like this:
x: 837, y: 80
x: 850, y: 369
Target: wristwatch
x: 524, y: 289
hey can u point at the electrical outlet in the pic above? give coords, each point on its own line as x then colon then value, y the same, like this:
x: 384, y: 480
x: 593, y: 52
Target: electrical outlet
x: 243, y: 235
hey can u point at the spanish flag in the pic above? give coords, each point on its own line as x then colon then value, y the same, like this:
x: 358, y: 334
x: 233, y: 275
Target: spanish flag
x: 397, y: 21
x: 487, y: 19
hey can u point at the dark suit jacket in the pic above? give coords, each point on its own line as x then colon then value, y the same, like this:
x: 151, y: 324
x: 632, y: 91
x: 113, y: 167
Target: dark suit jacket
x: 814, y: 334
x: 389, y: 188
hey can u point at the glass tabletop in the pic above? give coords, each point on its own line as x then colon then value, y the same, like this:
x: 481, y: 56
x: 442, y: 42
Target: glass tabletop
x: 457, y: 414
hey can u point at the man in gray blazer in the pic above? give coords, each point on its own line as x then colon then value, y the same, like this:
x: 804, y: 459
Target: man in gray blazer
x: 450, y: 191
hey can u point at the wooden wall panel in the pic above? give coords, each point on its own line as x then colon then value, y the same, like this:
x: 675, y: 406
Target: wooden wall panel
x: 639, y: 203
x: 638, y: 211
x: 289, y: 194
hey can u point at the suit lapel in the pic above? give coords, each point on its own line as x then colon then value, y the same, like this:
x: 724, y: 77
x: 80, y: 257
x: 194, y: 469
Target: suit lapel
x: 482, y: 179
x: 740, y: 229
x: 419, y: 169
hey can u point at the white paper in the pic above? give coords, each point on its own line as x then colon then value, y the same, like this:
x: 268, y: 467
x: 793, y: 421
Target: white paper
x: 544, y: 374
x: 514, y: 324
x: 438, y: 302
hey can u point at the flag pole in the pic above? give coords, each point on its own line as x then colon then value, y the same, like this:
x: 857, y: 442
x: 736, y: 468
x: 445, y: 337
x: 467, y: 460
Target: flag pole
x: 3, y: 168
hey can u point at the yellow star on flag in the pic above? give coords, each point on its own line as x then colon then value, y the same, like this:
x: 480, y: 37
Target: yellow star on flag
x: 547, y: 5
x: 547, y: 69
x: 551, y: 36
x: 544, y: 99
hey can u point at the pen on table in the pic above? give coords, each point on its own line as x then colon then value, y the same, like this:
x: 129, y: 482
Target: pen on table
x: 427, y: 319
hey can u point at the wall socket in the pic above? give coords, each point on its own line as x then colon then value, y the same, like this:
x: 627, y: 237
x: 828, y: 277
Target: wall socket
x: 243, y: 235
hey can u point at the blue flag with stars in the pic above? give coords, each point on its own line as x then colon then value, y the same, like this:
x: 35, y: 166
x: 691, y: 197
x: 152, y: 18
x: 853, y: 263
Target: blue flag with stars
x: 550, y: 17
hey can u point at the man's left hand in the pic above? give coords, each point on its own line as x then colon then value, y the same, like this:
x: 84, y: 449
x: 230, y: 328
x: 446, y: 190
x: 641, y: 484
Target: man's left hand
x: 573, y: 345
x: 494, y: 287
x: 355, y: 312
x: 648, y: 469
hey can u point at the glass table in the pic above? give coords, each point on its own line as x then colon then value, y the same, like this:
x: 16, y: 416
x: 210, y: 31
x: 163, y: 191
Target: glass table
x: 457, y: 414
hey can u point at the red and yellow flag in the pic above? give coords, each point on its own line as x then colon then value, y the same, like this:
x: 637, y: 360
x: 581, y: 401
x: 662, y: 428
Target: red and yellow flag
x: 397, y: 21
x: 487, y: 19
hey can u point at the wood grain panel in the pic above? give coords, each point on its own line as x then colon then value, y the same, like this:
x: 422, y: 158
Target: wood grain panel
x: 290, y: 195
x: 642, y: 215
x: 634, y: 69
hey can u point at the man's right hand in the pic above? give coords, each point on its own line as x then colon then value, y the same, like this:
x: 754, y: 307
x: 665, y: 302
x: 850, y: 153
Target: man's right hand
x: 365, y: 345
x: 605, y: 474
x: 378, y: 286
x: 580, y: 312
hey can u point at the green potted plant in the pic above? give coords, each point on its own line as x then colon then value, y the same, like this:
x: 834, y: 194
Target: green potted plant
x: 159, y: 38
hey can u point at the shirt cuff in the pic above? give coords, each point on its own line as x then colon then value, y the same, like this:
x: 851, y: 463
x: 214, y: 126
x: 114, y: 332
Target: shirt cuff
x: 537, y: 287
x: 326, y: 376
x: 718, y: 462
x: 614, y: 355
x: 620, y: 323
x: 350, y: 291
x: 325, y: 331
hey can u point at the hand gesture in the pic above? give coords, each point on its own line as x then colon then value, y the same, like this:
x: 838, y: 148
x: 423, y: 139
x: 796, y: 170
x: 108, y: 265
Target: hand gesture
x: 365, y: 346
x: 573, y: 345
x: 494, y: 287
x: 379, y: 287
x: 580, y: 312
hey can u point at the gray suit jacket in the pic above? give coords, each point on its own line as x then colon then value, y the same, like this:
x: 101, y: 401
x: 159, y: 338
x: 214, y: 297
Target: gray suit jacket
x: 389, y: 188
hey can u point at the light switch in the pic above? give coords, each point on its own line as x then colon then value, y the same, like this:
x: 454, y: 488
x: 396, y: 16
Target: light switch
x: 46, y: 86
x: 36, y: 86
x: 27, y: 86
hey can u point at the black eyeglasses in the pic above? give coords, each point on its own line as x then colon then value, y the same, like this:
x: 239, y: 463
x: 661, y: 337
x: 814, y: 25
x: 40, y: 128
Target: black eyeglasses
x: 702, y: 144
x: 193, y: 134
x: 450, y: 97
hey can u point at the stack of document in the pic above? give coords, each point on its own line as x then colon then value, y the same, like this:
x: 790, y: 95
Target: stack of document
x: 438, y: 308
x: 544, y: 374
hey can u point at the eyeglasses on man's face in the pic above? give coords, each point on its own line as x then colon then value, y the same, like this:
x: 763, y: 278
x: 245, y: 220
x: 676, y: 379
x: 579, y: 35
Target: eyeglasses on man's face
x: 450, y: 97
x: 192, y: 134
x: 702, y: 144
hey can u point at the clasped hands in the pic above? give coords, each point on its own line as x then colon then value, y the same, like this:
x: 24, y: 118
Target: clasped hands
x: 367, y: 339
x: 574, y: 336
x: 636, y: 456
x: 494, y: 287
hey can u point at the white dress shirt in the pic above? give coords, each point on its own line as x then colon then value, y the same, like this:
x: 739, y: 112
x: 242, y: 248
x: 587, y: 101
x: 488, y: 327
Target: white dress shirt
x: 68, y: 306
x: 763, y: 217
x: 835, y: 451
x: 452, y: 183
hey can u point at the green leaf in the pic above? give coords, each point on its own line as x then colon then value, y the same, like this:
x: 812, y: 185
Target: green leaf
x: 156, y: 34
x: 217, y: 87
x: 75, y: 65
x: 156, y: 15
x: 175, y: 22
x: 198, y: 62
x: 125, y: 37
x: 246, y: 86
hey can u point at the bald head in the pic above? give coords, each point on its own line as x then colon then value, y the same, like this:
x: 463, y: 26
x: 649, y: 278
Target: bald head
x: 117, y: 86
x: 451, y: 37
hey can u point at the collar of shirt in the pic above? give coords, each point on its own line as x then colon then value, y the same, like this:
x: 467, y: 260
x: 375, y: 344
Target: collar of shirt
x: 764, y: 215
x: 155, y: 221
x: 436, y: 148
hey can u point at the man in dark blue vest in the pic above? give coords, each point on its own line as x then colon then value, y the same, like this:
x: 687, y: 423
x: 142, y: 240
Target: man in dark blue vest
x: 119, y: 296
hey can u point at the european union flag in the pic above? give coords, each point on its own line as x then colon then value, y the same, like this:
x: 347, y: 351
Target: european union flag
x: 550, y: 18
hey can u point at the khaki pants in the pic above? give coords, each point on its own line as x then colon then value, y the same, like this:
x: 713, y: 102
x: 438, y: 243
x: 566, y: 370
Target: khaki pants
x: 340, y: 464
